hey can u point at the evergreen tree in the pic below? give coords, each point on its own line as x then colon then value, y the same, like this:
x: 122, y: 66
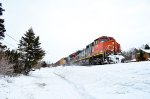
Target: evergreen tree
x: 147, y: 46
x: 30, y: 50
x: 13, y: 58
x: 2, y: 27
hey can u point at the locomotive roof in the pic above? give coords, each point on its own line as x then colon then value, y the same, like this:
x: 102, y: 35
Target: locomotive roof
x: 103, y: 37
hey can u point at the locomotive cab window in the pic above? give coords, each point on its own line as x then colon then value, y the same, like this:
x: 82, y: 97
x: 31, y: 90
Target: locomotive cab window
x: 103, y: 40
x: 96, y: 42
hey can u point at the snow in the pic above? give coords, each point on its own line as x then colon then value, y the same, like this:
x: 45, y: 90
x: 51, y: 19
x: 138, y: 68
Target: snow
x: 133, y: 60
x: 115, y: 81
x: 116, y: 58
x: 146, y: 50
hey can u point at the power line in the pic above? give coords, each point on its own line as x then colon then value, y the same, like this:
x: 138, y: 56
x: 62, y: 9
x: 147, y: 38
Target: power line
x: 12, y: 38
x: 9, y: 44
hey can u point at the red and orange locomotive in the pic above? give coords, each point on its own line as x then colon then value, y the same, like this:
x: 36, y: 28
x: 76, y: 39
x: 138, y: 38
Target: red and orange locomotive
x: 96, y: 52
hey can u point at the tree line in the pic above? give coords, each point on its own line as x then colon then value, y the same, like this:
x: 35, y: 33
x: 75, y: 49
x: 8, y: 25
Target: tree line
x: 27, y: 56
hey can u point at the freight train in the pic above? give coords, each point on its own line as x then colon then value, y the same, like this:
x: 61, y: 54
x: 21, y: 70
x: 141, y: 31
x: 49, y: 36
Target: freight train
x: 103, y: 50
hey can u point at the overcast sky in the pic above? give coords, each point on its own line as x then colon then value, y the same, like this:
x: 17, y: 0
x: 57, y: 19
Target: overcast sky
x: 65, y: 26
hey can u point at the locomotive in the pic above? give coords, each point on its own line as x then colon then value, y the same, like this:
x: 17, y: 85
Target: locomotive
x: 97, y: 52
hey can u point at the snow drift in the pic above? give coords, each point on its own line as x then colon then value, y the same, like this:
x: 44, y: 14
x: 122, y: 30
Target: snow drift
x: 117, y: 81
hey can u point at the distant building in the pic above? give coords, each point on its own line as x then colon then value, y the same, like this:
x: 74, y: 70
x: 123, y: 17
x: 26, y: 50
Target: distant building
x: 143, y: 55
x: 146, y: 53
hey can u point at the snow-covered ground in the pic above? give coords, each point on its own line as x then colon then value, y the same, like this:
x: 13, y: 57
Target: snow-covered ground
x: 117, y: 81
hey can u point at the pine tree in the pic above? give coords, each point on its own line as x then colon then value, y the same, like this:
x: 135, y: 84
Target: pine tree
x: 30, y: 50
x: 13, y: 58
x: 2, y: 27
x: 147, y: 46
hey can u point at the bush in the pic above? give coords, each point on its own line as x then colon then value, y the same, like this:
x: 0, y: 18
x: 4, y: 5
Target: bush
x: 5, y: 67
x: 44, y: 64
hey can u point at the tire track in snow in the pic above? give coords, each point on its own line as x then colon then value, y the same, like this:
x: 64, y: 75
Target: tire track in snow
x: 78, y: 88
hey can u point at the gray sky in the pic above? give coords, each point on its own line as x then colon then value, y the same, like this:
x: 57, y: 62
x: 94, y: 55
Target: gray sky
x: 65, y: 26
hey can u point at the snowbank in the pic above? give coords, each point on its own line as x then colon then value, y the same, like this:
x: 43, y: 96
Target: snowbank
x: 116, y: 81
x: 146, y: 50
